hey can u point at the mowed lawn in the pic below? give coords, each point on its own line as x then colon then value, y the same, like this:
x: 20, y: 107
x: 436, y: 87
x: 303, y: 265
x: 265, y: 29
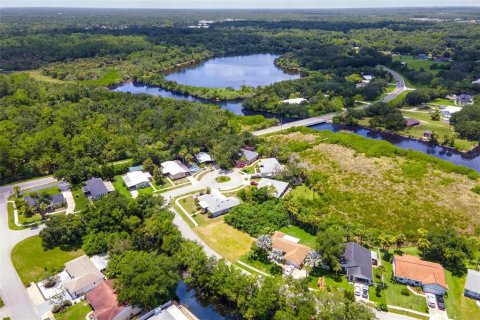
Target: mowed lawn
x: 76, y: 312
x: 418, y: 64
x: 305, y: 237
x: 32, y: 262
x: 459, y: 306
x: 229, y: 242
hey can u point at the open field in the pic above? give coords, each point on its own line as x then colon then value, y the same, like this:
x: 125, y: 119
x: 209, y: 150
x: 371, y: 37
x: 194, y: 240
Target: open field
x: 458, y: 306
x: 418, y: 64
x: 37, y: 75
x: 78, y: 311
x: 224, y: 239
x: 32, y: 262
x: 442, y: 102
x: 382, y: 186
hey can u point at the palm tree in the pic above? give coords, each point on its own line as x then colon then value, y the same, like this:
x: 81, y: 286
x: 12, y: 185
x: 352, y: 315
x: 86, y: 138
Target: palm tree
x: 16, y: 191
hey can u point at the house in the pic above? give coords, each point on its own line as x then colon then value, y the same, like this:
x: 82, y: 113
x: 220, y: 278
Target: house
x: 449, y: 110
x: 135, y: 168
x: 294, y: 253
x: 216, y: 203
x: 357, y: 263
x: 175, y: 169
x: 422, y: 56
x: 361, y: 85
x: 280, y: 186
x: 203, y: 157
x: 56, y: 201
x: 170, y: 311
x: 472, y: 285
x: 374, y: 256
x: 367, y: 78
x: 137, y: 180
x: 84, y: 276
x: 269, y: 167
x: 427, y: 135
x: 250, y: 156
x: 97, y: 188
x: 476, y: 81
x: 103, y: 301
x: 414, y: 271
x: 411, y: 122
x: 294, y: 101
x: 464, y: 99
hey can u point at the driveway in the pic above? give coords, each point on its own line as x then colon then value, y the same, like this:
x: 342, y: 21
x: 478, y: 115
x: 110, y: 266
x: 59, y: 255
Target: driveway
x: 17, y: 303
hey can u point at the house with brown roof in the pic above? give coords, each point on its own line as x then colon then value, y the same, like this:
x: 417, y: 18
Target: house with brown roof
x: 414, y: 271
x: 294, y: 253
x: 103, y: 301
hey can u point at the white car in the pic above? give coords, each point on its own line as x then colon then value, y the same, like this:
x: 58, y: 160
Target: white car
x: 289, y: 270
x: 431, y: 300
x: 358, y: 290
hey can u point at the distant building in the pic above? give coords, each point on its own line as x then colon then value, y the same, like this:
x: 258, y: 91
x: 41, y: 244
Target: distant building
x: 84, y: 276
x: 294, y: 253
x: 472, y: 284
x: 448, y: 111
x: 103, y: 301
x: 203, y: 157
x: 476, y: 81
x: 422, y: 56
x: 361, y: 85
x: 269, y: 167
x: 427, y: 135
x: 411, y: 122
x: 216, y: 204
x: 464, y: 99
x: 137, y: 180
x: 414, y: 271
x: 97, y: 188
x: 175, y: 169
x: 279, y: 186
x: 367, y: 78
x: 294, y: 101
x: 250, y: 156
x: 169, y: 311
x: 357, y: 263
x: 55, y: 202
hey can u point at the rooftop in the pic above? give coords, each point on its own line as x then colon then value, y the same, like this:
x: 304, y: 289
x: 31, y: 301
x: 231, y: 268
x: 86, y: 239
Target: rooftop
x: 96, y: 187
x: 217, y: 202
x: 280, y: 186
x: 203, y: 157
x: 134, y: 178
x: 103, y: 300
x: 249, y: 155
x: 173, y: 312
x: 269, y: 166
x: 473, y: 281
x: 294, y: 251
x: 294, y: 100
x: 358, y: 261
x: 83, y: 272
x: 414, y: 268
x: 173, y: 167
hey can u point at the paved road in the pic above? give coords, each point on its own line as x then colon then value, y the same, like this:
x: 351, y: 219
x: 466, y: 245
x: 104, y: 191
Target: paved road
x: 17, y: 303
x: 399, y: 88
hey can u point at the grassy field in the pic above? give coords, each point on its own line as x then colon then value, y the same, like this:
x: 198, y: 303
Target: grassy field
x: 11, y: 218
x: 418, y: 64
x: 381, y: 186
x: 27, y: 220
x: 305, y: 237
x: 440, y: 127
x: 458, y: 306
x: 81, y: 201
x: 265, y: 267
x: 147, y: 190
x: 408, y: 314
x: 188, y: 204
x: 443, y: 102
x: 400, y: 98
x: 37, y: 75
x: 331, y: 280
x: 50, y: 191
x: 78, y: 311
x: 229, y: 242
x: 32, y: 262
x: 120, y: 186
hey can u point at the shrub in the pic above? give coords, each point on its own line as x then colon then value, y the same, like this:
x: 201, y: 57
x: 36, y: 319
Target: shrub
x: 56, y: 308
x: 405, y: 292
x: 378, y: 291
x: 382, y: 307
x: 276, y: 269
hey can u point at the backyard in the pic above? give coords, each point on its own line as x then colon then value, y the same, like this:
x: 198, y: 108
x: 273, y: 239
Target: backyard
x: 119, y: 185
x: 81, y: 201
x: 78, y: 311
x: 32, y: 262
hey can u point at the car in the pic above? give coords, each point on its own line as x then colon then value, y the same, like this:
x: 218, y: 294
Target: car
x: 357, y: 290
x: 289, y: 270
x: 431, y: 300
x: 365, y: 292
x: 440, y: 303
x: 253, y: 183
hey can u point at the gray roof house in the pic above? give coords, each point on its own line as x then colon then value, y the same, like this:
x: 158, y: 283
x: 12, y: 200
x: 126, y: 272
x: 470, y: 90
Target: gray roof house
x: 96, y: 188
x: 84, y: 276
x: 216, y: 203
x: 472, y: 284
x: 56, y: 201
x: 357, y: 263
x: 464, y: 98
x: 269, y: 167
x: 250, y: 156
x: 280, y: 186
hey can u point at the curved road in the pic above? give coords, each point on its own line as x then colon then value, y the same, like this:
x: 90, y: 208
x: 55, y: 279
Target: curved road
x: 399, y: 88
x: 17, y: 303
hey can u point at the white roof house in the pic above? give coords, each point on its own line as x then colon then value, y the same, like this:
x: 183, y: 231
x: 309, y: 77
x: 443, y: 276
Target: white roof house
x: 449, y: 110
x: 216, y: 203
x: 203, y: 157
x: 170, y: 311
x: 472, y: 284
x: 175, y: 169
x: 269, y: 167
x: 476, y: 81
x: 137, y: 179
x: 294, y: 101
x: 250, y: 156
x: 84, y: 276
x: 280, y: 186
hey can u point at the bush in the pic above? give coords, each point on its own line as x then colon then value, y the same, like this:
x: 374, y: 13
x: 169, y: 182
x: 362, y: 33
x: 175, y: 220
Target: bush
x: 56, y: 308
x: 405, y: 292
x: 51, y: 282
x: 382, y: 307
x: 276, y: 269
x: 378, y: 291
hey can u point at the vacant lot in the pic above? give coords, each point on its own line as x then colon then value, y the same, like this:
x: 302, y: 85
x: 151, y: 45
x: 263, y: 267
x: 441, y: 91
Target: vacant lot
x: 224, y: 239
x: 32, y: 262
x: 418, y: 64
x: 387, y: 192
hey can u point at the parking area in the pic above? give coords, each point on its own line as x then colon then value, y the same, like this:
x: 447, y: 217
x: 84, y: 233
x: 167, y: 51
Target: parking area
x: 361, y: 292
x: 436, y: 307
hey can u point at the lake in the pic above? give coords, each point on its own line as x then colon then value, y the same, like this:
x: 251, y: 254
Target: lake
x: 252, y: 70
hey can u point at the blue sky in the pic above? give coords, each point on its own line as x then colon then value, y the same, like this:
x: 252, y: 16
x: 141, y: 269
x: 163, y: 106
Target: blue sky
x: 231, y: 4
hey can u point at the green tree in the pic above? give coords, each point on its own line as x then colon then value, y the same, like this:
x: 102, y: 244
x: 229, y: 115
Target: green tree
x: 330, y: 244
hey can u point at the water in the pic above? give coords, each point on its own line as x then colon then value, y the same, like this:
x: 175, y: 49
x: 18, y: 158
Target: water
x: 470, y: 160
x: 252, y: 70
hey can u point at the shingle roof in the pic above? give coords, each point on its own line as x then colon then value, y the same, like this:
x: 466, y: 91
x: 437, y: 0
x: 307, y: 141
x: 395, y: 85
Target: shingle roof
x: 279, y: 186
x: 203, y: 157
x: 96, y: 187
x: 269, y: 166
x: 473, y: 281
x: 136, y: 177
x: 249, y: 155
x: 216, y: 202
x: 57, y: 199
x: 104, y: 301
x: 83, y: 273
x: 293, y: 251
x: 173, y: 167
x: 358, y: 261
x: 414, y: 268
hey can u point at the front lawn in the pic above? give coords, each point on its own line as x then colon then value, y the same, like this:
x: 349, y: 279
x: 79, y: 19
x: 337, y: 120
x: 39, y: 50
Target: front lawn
x: 229, y: 242
x: 443, y: 102
x: 297, y: 232
x: 32, y: 262
x: 330, y: 279
x: 78, y: 311
x: 50, y: 191
x: 27, y: 220
x: 147, y: 190
x: 188, y: 204
x: 120, y: 186
x: 81, y: 201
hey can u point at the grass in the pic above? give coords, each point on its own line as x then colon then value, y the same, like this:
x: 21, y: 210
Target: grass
x: 165, y: 184
x: 181, y: 181
x: 408, y: 314
x: 188, y: 204
x: 440, y: 127
x: 265, y: 267
x: 458, y: 306
x: 297, y: 232
x: 37, y: 75
x: 120, y: 186
x: 27, y: 220
x: 81, y: 201
x: 32, y: 262
x: 78, y: 311
x: 147, y: 190
x: 249, y: 169
x: 1, y: 303
x: 332, y: 280
x: 400, y: 98
x: 222, y: 179
x: 11, y: 218
x: 50, y: 191
x: 418, y: 64
x: 229, y: 242
x: 443, y: 102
